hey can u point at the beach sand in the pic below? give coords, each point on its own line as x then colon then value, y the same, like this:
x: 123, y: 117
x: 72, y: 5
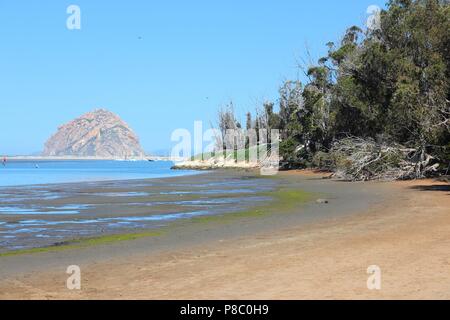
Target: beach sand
x: 405, y: 231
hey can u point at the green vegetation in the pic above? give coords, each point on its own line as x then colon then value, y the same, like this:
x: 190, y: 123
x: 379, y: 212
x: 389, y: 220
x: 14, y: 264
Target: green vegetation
x: 84, y: 243
x: 283, y: 201
x: 244, y: 154
x: 383, y: 88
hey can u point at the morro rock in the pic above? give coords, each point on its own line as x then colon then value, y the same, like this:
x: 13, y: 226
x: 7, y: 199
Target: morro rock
x: 99, y: 133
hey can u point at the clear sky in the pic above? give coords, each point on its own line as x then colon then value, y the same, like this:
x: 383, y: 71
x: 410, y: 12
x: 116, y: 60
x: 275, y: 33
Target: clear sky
x: 160, y: 65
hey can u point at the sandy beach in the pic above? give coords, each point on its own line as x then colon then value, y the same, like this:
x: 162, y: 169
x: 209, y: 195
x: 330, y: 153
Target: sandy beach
x: 229, y: 151
x: 314, y: 251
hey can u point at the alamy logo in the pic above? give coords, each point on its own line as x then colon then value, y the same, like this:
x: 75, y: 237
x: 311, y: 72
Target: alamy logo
x: 374, y: 280
x: 73, y: 22
x: 229, y: 147
x: 74, y: 280
x: 374, y: 20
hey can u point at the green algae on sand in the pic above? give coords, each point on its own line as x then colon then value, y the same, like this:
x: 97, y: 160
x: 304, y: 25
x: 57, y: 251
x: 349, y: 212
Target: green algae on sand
x: 84, y: 243
x: 282, y: 201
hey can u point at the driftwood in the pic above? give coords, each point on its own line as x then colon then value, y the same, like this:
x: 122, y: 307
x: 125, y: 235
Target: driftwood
x: 358, y: 159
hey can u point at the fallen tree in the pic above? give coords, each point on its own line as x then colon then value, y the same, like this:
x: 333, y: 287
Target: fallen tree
x: 358, y: 159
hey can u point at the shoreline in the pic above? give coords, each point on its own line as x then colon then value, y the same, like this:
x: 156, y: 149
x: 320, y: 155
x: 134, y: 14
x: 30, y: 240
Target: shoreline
x: 42, y: 172
x: 313, y: 184
x: 73, y: 158
x: 212, y: 251
x: 161, y: 186
x: 214, y: 164
x: 130, y: 206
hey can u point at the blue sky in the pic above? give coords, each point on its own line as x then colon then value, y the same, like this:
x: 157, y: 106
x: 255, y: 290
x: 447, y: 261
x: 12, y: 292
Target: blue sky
x: 160, y: 65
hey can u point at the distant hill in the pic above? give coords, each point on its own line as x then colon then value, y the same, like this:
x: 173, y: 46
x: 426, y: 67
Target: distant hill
x: 99, y: 133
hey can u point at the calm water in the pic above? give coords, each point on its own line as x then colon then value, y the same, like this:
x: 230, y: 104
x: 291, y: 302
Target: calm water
x: 17, y: 173
x: 43, y: 203
x: 47, y: 214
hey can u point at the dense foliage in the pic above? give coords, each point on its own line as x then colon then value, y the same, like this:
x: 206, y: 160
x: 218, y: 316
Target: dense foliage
x: 389, y: 85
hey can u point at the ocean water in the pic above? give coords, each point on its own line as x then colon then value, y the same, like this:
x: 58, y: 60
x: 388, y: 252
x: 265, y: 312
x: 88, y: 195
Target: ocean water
x: 20, y: 173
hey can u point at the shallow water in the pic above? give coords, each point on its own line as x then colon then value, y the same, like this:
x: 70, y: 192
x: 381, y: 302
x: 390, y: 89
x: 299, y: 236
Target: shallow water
x: 37, y: 216
x: 21, y: 172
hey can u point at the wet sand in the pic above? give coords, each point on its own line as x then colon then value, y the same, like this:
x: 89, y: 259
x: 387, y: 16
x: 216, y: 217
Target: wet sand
x: 45, y: 215
x: 315, y: 251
